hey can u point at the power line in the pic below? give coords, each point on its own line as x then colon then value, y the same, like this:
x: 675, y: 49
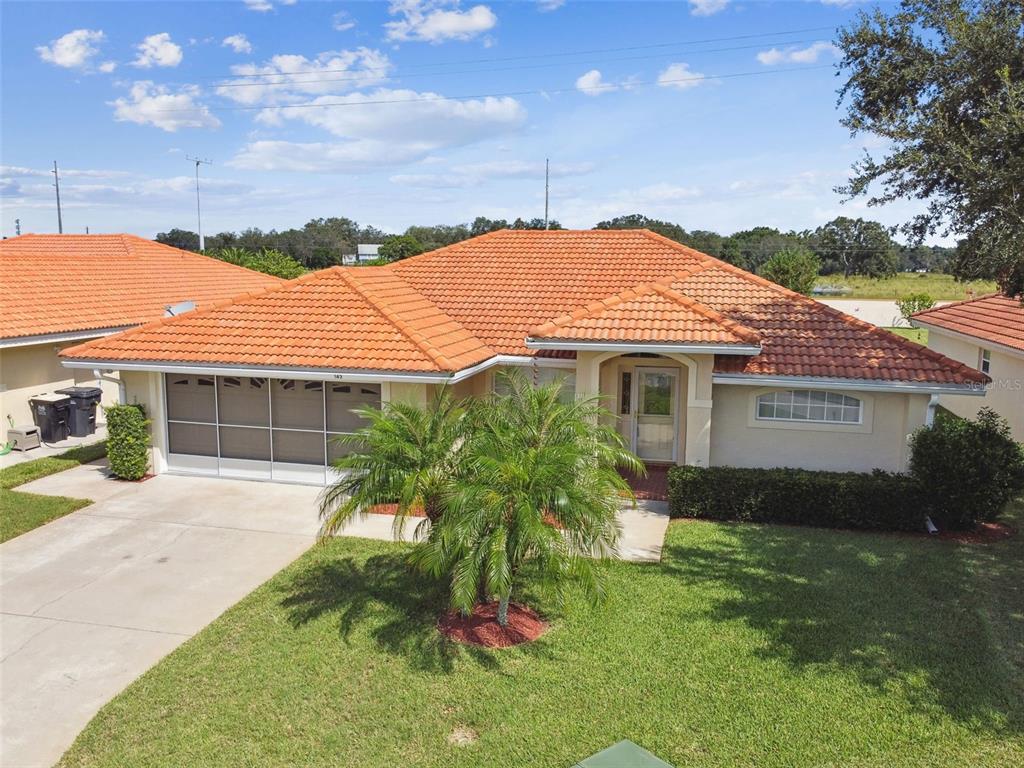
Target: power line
x: 583, y: 52
x: 506, y: 94
x: 362, y: 73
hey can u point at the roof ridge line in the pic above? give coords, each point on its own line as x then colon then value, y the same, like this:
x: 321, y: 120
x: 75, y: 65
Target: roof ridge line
x: 417, y: 338
x: 741, y: 330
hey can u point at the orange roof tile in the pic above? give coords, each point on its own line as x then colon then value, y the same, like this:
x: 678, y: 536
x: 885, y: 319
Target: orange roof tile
x: 459, y: 305
x: 995, y: 318
x: 67, y: 283
x: 648, y: 313
x: 365, y: 318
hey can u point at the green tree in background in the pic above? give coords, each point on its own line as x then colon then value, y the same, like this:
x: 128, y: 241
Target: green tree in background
x: 943, y: 82
x: 855, y: 247
x: 180, y: 238
x: 265, y: 260
x: 793, y: 268
x: 399, y: 247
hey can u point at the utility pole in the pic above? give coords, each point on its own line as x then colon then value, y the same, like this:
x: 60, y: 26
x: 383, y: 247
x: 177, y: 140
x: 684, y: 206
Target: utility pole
x: 199, y: 216
x: 547, y: 177
x: 56, y: 184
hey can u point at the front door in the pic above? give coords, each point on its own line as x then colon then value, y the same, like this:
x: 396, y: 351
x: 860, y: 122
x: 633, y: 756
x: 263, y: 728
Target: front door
x: 655, y: 416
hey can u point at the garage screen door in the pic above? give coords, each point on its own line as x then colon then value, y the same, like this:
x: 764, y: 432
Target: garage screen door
x: 260, y: 428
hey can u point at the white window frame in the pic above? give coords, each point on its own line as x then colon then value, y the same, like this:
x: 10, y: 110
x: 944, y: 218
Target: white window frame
x: 862, y: 425
x: 985, y: 360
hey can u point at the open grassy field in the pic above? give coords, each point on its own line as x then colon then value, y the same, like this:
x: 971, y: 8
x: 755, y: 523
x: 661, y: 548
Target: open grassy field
x: 939, y: 287
x: 21, y: 512
x: 748, y: 645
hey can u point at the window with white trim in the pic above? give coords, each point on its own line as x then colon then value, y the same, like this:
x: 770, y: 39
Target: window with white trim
x: 985, y: 361
x: 809, y: 405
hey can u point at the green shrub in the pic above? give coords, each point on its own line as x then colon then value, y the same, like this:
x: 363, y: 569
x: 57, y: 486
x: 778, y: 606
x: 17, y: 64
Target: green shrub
x: 914, y: 302
x: 969, y: 469
x: 879, y: 500
x: 127, y: 441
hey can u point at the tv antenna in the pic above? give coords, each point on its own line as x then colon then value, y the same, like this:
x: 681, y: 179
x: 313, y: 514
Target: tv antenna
x: 199, y: 215
x: 56, y: 184
x: 547, y: 177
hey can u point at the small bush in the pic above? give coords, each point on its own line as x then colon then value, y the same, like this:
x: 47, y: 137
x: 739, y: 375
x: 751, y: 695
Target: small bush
x: 127, y: 441
x: 879, y: 500
x: 969, y: 469
x: 914, y: 302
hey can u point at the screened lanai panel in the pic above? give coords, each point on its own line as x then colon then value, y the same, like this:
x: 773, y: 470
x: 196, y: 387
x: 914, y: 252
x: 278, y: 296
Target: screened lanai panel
x: 194, y: 439
x: 245, y: 443
x: 297, y: 404
x: 298, y: 447
x: 243, y: 400
x: 191, y: 398
x: 342, y: 399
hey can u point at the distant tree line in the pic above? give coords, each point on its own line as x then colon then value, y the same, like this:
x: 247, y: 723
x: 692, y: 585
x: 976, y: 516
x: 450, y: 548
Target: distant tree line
x: 843, y: 246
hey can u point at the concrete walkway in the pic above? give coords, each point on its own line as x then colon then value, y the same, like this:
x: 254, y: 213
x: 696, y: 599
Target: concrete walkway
x: 90, y: 601
x: 643, y: 531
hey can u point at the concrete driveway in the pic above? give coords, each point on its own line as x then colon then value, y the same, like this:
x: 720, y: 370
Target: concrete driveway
x: 90, y: 601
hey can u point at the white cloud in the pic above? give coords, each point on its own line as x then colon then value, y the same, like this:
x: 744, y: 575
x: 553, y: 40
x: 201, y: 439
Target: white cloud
x: 108, y: 66
x: 546, y: 6
x: 680, y: 76
x: 157, y: 105
x: 707, y: 7
x: 591, y: 83
x: 158, y: 51
x: 808, y: 55
x: 238, y: 43
x: 435, y: 21
x: 475, y: 174
x: 342, y: 21
x: 260, y: 6
x: 288, y: 78
x: 381, y: 128
x: 20, y: 170
x: 75, y: 50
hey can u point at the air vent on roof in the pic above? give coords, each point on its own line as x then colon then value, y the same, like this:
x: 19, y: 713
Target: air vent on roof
x: 180, y: 308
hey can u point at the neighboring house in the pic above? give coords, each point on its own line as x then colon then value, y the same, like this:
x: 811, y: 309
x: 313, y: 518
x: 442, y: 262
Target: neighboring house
x: 365, y: 253
x: 986, y: 333
x: 58, y: 290
x: 699, y: 361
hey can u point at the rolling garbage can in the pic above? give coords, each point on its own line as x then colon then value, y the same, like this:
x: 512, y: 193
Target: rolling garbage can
x: 50, y: 413
x: 84, y: 402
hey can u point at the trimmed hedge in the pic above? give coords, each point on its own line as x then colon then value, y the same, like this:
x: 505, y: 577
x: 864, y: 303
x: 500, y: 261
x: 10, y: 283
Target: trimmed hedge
x: 127, y: 441
x: 879, y: 500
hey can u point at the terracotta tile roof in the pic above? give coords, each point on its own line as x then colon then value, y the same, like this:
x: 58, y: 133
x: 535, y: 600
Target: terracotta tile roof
x: 653, y: 312
x: 995, y: 318
x: 67, y: 283
x: 459, y: 305
x: 365, y: 318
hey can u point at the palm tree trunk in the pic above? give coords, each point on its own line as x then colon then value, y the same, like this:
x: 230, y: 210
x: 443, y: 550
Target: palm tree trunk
x: 503, y: 610
x: 433, y: 508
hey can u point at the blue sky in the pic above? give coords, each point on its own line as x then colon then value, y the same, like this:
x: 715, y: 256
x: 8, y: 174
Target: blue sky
x: 307, y: 109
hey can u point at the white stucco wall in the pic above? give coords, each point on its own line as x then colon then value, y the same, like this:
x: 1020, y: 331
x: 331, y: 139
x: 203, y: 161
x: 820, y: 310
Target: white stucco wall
x: 880, y: 443
x: 1005, y: 395
x: 35, y: 369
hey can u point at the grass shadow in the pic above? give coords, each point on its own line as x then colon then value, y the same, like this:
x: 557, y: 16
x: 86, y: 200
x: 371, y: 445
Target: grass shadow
x: 903, y: 615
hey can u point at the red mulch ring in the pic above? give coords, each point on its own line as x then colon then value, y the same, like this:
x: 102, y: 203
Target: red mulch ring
x: 391, y: 509
x: 481, y: 627
x: 984, y: 533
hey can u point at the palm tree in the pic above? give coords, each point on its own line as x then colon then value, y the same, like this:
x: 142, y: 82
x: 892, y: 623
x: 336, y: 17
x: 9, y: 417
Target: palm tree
x: 542, y: 485
x: 405, y: 455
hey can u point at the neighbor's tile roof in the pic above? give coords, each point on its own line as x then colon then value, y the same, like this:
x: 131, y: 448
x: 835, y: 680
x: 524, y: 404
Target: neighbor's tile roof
x: 464, y: 303
x: 993, y: 318
x: 650, y: 313
x: 366, y: 318
x: 66, y: 283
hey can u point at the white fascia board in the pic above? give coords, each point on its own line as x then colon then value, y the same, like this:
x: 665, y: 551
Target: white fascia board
x: 57, y: 338
x: 984, y: 343
x: 798, y: 382
x: 611, y: 346
x: 539, y: 362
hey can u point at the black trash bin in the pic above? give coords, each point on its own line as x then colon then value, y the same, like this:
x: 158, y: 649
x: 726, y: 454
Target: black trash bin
x: 51, y: 413
x: 84, y: 402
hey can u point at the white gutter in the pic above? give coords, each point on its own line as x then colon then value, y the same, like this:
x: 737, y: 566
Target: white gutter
x: 56, y: 338
x: 122, y: 390
x: 611, y: 346
x: 809, y: 382
x: 929, y: 415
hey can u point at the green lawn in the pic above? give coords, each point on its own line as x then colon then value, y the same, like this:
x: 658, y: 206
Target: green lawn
x: 920, y: 335
x: 748, y: 646
x: 21, y: 512
x: 939, y: 287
